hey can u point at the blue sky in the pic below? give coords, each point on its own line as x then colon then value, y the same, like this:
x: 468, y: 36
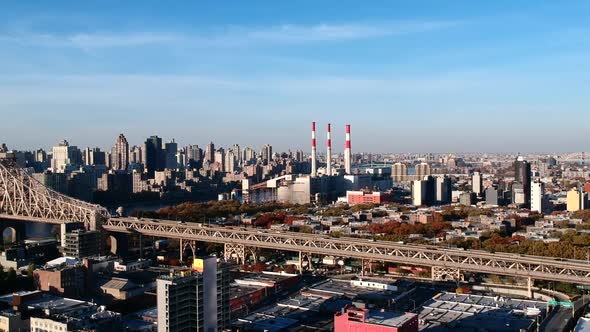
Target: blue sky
x: 413, y: 76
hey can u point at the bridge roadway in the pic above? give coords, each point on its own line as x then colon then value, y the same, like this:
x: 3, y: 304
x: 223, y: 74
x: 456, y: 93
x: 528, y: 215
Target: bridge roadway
x: 525, y: 266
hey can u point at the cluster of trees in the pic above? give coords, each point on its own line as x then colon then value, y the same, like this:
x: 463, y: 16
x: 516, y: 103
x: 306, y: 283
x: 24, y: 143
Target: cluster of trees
x: 398, y: 231
x: 200, y: 212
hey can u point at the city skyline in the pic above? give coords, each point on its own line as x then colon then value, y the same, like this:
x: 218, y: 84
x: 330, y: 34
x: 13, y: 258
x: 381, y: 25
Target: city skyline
x: 427, y: 78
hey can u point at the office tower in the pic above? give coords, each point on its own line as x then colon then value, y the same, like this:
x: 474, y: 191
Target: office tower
x: 329, y: 151
x: 467, y: 199
x: 493, y: 196
x: 120, y: 154
x: 266, y: 154
x: 314, y: 169
x: 230, y: 161
x: 237, y: 153
x: 153, y: 156
x: 136, y: 155
x: 220, y: 158
x: 522, y: 175
x: 194, y: 300
x: 170, y: 151
x: 210, y: 153
x: 576, y: 200
x: 347, y: 152
x: 443, y: 190
x: 477, y: 183
x: 537, y: 196
x: 399, y: 172
x: 422, y: 170
x: 65, y: 156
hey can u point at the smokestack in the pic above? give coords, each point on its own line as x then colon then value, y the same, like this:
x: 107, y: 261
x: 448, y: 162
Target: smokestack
x: 329, y: 151
x: 313, y: 151
x: 347, y: 152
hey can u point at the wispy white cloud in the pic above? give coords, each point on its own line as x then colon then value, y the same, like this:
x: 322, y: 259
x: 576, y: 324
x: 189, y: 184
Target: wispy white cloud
x: 230, y: 36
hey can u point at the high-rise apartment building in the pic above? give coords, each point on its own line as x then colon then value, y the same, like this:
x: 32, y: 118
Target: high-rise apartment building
x: 266, y: 153
x: 399, y: 172
x: 195, y: 300
x: 249, y: 155
x: 120, y: 154
x: 537, y: 196
x: 194, y: 153
x: 153, y: 155
x: 94, y: 157
x: 237, y: 153
x: 220, y: 158
x: 422, y: 170
x: 135, y: 155
x: 230, y: 161
x: 443, y: 190
x: 576, y: 200
x: 477, y: 183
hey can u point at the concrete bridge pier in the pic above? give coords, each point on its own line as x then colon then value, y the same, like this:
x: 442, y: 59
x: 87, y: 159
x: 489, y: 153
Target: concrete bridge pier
x: 119, y: 243
x: 530, y: 284
x: 239, y: 252
x: 17, y: 230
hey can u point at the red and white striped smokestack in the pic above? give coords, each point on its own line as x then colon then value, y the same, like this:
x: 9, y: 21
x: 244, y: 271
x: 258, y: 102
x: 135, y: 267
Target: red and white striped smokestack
x: 347, y: 152
x: 329, y: 151
x: 313, y: 151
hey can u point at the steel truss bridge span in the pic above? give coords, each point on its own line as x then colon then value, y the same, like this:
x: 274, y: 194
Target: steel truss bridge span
x: 24, y: 198
x: 531, y: 267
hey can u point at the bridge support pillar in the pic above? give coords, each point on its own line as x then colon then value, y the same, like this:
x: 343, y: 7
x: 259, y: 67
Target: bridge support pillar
x: 530, y: 283
x: 184, y: 244
x: 446, y: 274
x: 300, y: 266
x: 234, y: 251
x: 140, y: 245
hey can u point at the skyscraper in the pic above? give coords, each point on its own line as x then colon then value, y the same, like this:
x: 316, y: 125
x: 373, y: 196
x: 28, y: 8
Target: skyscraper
x: 194, y: 300
x: 522, y: 175
x: 210, y: 153
x: 120, y: 154
x: 170, y: 150
x: 153, y: 155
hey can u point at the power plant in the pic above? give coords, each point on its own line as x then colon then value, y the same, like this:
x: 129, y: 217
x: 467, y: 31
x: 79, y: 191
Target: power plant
x: 321, y: 185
